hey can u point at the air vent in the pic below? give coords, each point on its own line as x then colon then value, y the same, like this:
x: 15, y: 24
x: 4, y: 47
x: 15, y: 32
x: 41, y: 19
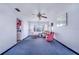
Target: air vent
x: 18, y: 10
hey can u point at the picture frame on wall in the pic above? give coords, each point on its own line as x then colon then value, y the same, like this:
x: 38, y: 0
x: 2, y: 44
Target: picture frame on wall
x: 62, y: 20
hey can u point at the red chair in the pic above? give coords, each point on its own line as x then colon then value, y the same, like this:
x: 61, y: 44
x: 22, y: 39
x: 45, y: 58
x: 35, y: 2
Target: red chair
x: 50, y: 36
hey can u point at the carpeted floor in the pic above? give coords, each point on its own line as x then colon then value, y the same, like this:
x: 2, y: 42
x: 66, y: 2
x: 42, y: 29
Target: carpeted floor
x: 39, y: 46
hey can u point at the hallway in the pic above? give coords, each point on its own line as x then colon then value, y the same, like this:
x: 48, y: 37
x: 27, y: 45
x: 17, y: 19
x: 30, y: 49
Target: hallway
x: 38, y: 46
x: 47, y: 20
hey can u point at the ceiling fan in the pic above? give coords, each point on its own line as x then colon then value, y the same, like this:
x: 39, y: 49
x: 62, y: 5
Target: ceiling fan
x: 40, y: 15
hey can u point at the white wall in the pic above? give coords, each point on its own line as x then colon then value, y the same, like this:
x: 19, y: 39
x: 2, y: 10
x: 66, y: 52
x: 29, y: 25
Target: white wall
x: 69, y: 35
x: 7, y: 28
x: 25, y: 29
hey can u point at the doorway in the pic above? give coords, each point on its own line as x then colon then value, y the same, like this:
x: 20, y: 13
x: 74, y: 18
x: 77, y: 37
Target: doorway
x: 19, y: 29
x: 37, y: 27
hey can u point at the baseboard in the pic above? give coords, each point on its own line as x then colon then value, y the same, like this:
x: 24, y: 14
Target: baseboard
x: 12, y: 47
x: 28, y: 36
x: 8, y: 49
x: 68, y: 47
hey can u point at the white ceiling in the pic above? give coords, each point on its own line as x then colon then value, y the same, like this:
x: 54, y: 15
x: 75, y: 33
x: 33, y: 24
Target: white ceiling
x: 27, y: 9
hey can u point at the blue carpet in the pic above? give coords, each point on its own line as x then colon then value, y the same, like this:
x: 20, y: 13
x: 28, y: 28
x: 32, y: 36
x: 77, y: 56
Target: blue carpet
x: 39, y: 46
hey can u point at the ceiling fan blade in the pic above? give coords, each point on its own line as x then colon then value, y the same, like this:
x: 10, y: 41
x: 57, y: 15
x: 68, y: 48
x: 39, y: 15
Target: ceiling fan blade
x: 44, y: 16
x: 33, y: 14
